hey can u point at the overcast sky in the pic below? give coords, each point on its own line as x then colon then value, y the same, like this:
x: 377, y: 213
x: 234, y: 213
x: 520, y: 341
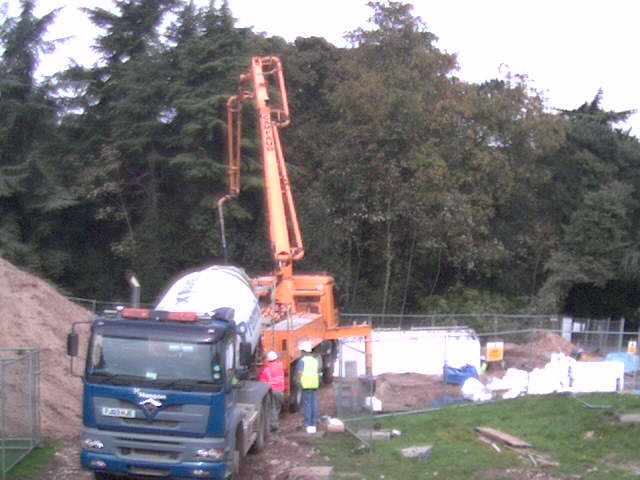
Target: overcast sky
x: 568, y: 48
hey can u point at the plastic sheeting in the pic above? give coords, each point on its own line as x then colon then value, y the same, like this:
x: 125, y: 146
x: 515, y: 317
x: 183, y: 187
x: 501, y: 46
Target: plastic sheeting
x: 631, y: 362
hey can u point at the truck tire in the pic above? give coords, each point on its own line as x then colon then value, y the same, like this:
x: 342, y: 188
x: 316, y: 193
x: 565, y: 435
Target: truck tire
x: 330, y: 348
x: 295, y: 399
x: 327, y: 372
x: 263, y: 428
x: 237, y: 456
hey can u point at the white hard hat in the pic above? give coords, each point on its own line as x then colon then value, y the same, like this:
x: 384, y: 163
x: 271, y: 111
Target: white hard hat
x: 271, y: 355
x: 305, y: 346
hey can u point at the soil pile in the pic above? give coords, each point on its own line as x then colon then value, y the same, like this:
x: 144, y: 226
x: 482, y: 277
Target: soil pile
x: 34, y: 314
x: 411, y: 391
x: 536, y: 351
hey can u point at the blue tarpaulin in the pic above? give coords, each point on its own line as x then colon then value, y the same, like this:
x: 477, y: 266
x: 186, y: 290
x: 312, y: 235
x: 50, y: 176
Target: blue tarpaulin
x: 630, y: 361
x: 457, y: 376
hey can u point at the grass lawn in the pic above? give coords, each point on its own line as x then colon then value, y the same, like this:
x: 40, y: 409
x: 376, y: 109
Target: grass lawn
x: 33, y: 464
x: 586, y: 442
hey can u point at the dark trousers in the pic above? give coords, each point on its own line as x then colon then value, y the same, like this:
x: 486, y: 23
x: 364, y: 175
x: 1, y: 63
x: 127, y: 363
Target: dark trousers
x: 277, y: 399
x: 310, y: 407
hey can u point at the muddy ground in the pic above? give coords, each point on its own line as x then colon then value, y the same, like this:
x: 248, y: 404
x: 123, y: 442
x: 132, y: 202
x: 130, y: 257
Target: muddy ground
x: 286, y: 449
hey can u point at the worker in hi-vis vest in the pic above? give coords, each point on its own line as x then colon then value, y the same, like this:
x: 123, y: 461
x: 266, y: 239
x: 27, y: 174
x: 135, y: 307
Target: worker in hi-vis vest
x: 308, y: 371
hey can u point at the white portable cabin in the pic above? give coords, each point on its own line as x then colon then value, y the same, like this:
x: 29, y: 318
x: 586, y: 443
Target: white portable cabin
x: 423, y: 350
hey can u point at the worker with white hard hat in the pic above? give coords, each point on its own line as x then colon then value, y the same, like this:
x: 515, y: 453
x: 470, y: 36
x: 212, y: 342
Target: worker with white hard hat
x: 273, y: 374
x: 308, y: 372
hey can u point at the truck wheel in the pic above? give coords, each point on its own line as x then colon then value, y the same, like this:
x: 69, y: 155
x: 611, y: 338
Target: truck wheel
x: 295, y: 399
x: 237, y: 457
x: 327, y: 372
x: 263, y: 426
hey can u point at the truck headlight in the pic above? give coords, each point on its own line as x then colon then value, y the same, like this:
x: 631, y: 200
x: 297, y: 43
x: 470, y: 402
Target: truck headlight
x: 211, y: 453
x: 92, y: 444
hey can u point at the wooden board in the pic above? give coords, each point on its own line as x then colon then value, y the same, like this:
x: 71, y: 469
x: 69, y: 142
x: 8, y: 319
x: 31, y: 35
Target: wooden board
x: 498, y: 436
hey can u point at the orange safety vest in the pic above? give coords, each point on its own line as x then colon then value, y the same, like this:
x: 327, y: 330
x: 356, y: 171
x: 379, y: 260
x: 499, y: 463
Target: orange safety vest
x: 273, y: 374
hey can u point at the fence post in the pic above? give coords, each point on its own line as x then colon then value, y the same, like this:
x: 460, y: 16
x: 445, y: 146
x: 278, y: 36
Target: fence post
x: 3, y: 445
x: 621, y: 333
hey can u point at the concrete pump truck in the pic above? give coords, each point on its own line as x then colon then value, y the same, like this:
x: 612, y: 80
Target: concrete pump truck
x: 168, y: 392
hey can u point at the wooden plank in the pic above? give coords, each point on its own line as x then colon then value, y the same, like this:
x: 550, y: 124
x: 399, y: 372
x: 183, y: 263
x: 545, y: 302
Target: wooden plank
x: 503, y: 437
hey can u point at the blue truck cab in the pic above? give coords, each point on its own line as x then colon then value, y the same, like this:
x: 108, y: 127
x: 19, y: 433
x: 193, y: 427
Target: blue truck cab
x: 167, y: 395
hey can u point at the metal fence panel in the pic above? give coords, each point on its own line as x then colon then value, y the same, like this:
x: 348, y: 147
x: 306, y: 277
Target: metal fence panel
x: 19, y: 401
x: 525, y: 352
x: 354, y: 390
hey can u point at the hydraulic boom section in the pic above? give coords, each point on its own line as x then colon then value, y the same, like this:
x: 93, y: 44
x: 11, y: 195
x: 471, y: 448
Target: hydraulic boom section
x: 264, y: 84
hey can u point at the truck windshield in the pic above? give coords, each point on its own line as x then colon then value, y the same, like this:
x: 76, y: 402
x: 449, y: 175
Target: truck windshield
x: 158, y: 361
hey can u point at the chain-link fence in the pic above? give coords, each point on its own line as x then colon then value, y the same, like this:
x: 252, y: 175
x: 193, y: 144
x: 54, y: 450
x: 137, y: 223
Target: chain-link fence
x: 418, y: 367
x: 354, y: 389
x: 19, y: 401
x: 485, y: 323
x: 99, y: 306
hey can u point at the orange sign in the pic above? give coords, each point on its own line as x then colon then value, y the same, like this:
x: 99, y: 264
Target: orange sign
x: 495, y: 351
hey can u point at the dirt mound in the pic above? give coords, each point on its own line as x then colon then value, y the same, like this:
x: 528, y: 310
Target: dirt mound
x: 33, y: 314
x: 536, y: 351
x: 411, y: 391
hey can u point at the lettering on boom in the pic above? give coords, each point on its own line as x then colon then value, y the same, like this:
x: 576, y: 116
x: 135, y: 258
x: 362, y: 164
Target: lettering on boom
x: 267, y: 130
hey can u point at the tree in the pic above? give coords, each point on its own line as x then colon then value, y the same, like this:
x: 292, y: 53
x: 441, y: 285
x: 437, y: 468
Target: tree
x: 393, y: 83
x: 595, y: 193
x: 147, y: 134
x: 115, y: 129
x: 30, y: 192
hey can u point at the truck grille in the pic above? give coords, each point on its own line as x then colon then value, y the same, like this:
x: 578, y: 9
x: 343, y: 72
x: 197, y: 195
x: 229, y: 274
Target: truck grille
x: 144, y: 449
x: 188, y: 418
x: 139, y: 422
x: 141, y: 453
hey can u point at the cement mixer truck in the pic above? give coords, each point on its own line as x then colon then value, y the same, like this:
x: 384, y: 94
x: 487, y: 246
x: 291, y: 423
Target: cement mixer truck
x: 169, y: 391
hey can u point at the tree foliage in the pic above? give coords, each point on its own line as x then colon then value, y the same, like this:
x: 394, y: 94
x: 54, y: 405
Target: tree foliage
x: 29, y: 190
x: 417, y: 190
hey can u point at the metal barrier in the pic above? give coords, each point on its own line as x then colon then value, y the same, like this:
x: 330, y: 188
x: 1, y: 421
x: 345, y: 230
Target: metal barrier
x: 603, y: 335
x: 354, y: 390
x: 528, y: 354
x: 19, y: 402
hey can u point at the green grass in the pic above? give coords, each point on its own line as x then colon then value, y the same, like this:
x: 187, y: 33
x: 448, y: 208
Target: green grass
x: 588, y: 442
x: 35, y: 463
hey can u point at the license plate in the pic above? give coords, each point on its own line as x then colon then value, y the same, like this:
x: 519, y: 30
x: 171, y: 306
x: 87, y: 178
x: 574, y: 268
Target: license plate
x: 118, y: 412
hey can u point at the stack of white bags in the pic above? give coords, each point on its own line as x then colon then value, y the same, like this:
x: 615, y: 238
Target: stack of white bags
x: 562, y: 374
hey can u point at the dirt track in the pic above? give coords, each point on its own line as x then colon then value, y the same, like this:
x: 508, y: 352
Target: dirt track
x: 288, y: 448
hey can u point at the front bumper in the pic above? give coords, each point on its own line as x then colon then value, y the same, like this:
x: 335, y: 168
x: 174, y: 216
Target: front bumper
x: 152, y: 455
x: 100, y: 462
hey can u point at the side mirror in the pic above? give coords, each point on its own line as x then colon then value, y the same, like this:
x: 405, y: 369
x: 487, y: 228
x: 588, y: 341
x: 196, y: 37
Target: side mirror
x: 226, y: 314
x: 72, y: 344
x: 246, y: 356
